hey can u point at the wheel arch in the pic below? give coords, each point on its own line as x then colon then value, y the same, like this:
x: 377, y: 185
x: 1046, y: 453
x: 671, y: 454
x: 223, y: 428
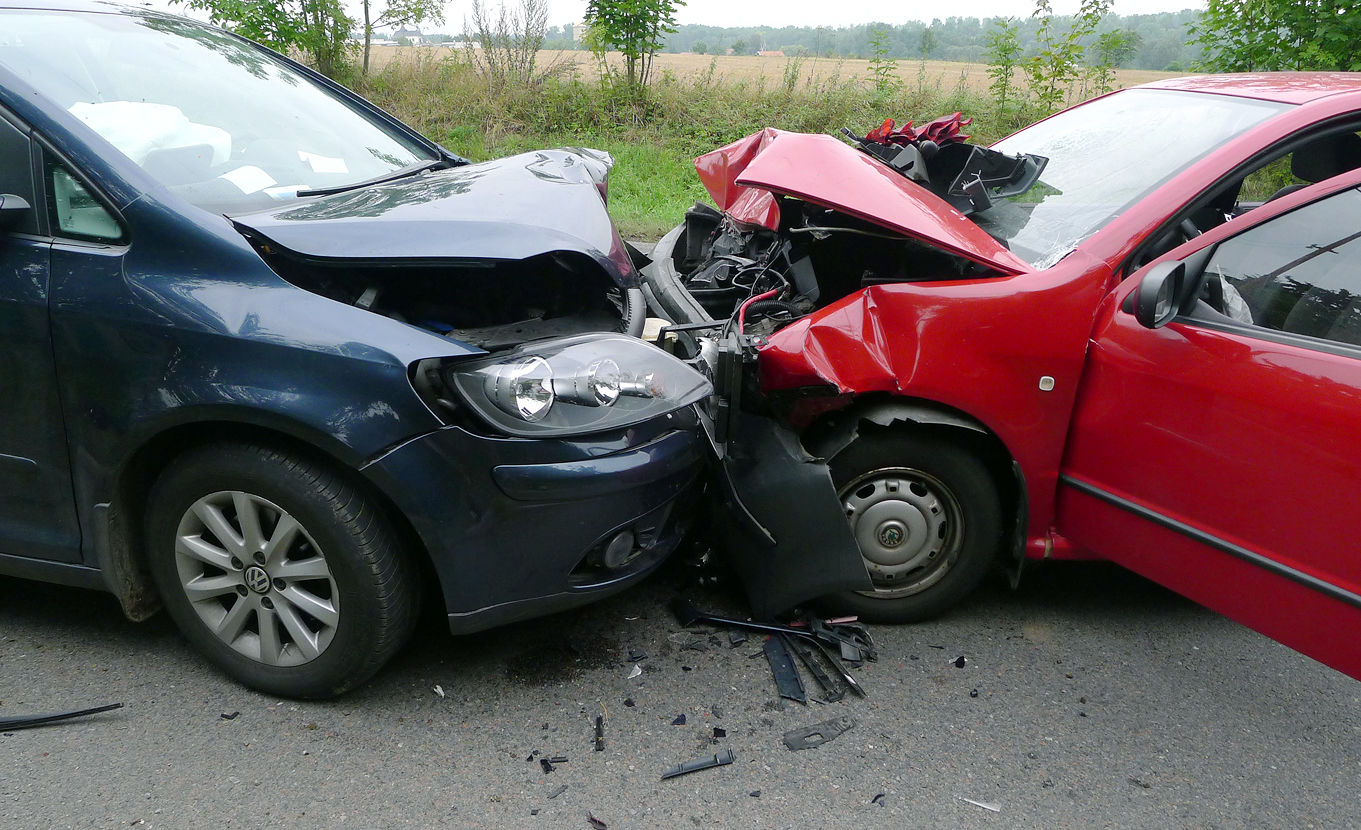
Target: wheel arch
x: 120, y: 541
x: 834, y: 431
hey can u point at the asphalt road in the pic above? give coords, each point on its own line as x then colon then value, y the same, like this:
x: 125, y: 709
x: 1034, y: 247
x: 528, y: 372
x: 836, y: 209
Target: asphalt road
x: 1103, y: 701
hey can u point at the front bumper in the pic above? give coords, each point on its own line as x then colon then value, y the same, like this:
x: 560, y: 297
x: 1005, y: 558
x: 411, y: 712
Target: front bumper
x: 517, y: 528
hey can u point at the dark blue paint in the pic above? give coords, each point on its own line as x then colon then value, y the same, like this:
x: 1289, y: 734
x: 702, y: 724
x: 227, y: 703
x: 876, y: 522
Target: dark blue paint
x: 183, y: 325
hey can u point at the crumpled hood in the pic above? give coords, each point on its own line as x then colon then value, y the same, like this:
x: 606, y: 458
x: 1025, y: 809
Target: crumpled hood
x: 511, y: 208
x: 742, y: 177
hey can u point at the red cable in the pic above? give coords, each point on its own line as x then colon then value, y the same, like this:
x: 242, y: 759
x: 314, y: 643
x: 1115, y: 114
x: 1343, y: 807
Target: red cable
x: 742, y: 310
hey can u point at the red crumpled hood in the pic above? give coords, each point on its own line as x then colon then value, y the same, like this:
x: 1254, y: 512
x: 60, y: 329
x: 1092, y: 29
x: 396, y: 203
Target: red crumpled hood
x: 742, y: 177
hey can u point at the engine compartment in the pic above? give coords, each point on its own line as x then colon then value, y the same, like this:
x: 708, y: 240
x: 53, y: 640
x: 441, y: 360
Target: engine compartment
x: 491, y: 304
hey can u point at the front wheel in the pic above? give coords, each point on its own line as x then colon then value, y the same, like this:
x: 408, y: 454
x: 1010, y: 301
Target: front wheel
x: 927, y: 517
x: 278, y: 569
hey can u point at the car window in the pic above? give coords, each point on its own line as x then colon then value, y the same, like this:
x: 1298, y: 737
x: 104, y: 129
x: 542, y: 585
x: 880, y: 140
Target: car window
x: 16, y: 172
x: 73, y: 210
x: 1299, y: 273
x: 225, y: 125
x: 1321, y: 158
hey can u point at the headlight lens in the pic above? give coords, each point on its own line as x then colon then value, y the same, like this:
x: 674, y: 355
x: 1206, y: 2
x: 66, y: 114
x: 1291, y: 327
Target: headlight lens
x: 576, y: 385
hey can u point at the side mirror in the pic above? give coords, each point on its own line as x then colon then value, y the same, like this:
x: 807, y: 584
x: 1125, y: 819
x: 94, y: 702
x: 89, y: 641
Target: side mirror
x: 12, y: 210
x: 1156, y: 300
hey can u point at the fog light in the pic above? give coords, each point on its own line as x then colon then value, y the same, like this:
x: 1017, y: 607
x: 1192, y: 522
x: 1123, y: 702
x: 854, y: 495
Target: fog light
x: 619, y: 551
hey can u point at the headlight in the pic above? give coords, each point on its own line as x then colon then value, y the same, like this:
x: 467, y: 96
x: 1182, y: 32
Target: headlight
x: 576, y: 385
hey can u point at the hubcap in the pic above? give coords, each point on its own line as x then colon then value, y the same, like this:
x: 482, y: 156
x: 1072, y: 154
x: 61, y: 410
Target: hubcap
x: 908, y: 525
x: 283, y: 608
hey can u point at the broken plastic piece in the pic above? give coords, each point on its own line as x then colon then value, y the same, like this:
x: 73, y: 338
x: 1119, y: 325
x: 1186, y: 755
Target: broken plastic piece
x: 230, y: 715
x: 595, y: 822
x: 720, y: 732
x: 532, y: 755
x: 439, y: 690
x: 985, y: 805
x: 878, y: 799
x: 637, y: 670
x: 960, y: 662
x: 782, y: 667
x: 736, y: 638
x: 679, y: 721
x: 546, y: 764
x: 628, y: 701
x: 808, y: 655
x: 973, y: 693
x: 635, y: 655
x: 559, y: 791
x: 558, y: 759
x: 599, y: 733
x: 30, y: 721
x: 840, y: 669
x: 722, y: 758
x: 755, y: 793
x: 818, y: 734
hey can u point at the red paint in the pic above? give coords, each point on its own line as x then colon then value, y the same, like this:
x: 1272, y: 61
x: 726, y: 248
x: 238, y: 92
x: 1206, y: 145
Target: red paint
x: 1146, y: 415
x: 826, y: 171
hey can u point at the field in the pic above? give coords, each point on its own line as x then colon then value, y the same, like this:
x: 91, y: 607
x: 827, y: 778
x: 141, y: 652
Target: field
x: 694, y: 104
x: 753, y: 69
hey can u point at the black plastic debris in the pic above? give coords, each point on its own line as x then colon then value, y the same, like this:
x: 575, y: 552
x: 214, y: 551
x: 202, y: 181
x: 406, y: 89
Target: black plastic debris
x: 534, y: 812
x: 230, y: 715
x: 721, y: 759
x: 810, y: 655
x: 595, y: 822
x: 736, y: 638
x: 532, y: 756
x: 878, y: 799
x: 782, y: 667
x: 717, y: 711
x: 960, y: 662
x: 558, y: 759
x: 635, y: 655
x: 686, y: 668
x: 29, y: 721
x: 755, y: 793
x: 628, y: 701
x: 720, y: 732
x: 679, y: 721
x: 559, y: 791
x: 973, y: 693
x: 547, y: 765
x: 599, y: 733
x: 818, y: 734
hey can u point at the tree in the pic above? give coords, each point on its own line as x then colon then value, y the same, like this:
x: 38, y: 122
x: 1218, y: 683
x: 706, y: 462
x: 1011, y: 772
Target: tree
x: 509, y: 40
x: 635, y: 28
x: 397, y: 13
x: 1256, y: 35
x: 1054, y: 67
x: 1004, y: 53
x: 739, y: 47
x: 929, y: 42
x: 699, y: 47
x: 1112, y: 48
x: 318, y: 28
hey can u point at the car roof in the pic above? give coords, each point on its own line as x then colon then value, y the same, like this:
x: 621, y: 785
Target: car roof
x: 1285, y: 87
x: 67, y: 5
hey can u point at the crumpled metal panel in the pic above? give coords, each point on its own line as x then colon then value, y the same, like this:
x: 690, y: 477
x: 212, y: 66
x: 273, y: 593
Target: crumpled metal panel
x: 824, y: 170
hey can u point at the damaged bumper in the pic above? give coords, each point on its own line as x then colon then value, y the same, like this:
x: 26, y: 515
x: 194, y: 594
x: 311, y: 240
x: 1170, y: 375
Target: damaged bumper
x: 779, y: 517
x: 521, y: 528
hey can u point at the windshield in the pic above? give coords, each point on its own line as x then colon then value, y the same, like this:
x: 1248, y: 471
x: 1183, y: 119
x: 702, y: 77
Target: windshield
x: 1105, y: 156
x: 226, y: 126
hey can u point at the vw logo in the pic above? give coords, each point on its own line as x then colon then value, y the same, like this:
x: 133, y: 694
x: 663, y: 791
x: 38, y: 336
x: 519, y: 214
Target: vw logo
x: 257, y: 580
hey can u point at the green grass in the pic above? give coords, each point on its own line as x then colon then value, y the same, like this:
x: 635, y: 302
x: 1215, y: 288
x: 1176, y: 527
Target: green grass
x: 653, y: 139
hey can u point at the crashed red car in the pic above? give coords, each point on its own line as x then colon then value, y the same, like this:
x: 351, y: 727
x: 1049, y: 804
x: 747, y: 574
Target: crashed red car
x: 931, y: 356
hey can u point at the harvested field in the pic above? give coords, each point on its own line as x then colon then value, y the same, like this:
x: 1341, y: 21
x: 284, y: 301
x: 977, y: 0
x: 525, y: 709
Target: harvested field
x: 762, y: 70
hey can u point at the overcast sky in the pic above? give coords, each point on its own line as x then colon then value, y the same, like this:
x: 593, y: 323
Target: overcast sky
x: 840, y: 12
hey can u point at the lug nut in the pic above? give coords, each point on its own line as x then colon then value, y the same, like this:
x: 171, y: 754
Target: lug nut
x: 259, y: 557
x: 241, y: 589
x: 237, y: 564
x: 267, y: 602
x: 279, y: 585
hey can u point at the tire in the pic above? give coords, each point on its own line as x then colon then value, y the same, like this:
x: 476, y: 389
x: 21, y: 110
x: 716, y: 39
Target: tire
x: 927, y: 516
x: 278, y: 570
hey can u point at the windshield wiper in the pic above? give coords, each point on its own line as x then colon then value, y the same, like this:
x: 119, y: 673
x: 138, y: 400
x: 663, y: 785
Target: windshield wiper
x: 409, y: 170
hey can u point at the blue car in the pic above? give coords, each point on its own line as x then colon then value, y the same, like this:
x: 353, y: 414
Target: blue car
x: 282, y: 366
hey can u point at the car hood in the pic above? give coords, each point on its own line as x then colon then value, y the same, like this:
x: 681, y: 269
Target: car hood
x: 512, y: 208
x: 742, y: 177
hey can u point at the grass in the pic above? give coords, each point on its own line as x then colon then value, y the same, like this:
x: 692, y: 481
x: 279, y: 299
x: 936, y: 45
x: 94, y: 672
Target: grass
x: 654, y: 138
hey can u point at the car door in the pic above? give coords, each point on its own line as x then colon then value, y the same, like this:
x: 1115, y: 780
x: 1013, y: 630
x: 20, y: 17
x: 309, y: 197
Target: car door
x: 37, y: 513
x: 1220, y: 454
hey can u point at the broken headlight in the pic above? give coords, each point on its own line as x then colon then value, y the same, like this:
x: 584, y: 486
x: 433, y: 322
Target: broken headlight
x: 575, y: 385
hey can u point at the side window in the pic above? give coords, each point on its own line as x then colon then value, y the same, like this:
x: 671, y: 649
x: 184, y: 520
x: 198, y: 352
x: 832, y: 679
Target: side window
x: 74, y: 212
x: 1299, y: 273
x: 1322, y: 158
x: 16, y: 172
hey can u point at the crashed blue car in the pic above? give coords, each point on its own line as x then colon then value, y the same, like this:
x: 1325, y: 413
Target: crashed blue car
x: 282, y: 366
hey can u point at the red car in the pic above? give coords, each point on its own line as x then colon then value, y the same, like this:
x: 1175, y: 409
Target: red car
x: 930, y: 356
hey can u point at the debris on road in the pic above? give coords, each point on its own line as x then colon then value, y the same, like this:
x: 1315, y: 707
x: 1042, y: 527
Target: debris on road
x: 878, y: 799
x: 439, y: 690
x: 720, y: 732
x: 808, y: 737
x: 721, y: 759
x: 595, y: 822
x: 782, y: 667
x: 628, y: 701
x: 973, y: 693
x: 547, y: 765
x: 559, y: 791
x: 679, y: 721
x: 230, y: 715
x: 985, y: 805
x: 960, y: 662
x: 599, y: 733
x: 29, y: 721
x: 637, y: 671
